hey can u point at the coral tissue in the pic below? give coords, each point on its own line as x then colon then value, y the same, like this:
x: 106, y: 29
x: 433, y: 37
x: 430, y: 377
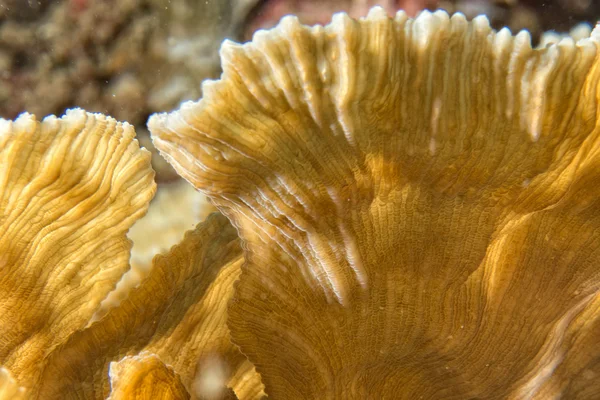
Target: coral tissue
x: 409, y: 208
x: 70, y: 189
x: 420, y: 204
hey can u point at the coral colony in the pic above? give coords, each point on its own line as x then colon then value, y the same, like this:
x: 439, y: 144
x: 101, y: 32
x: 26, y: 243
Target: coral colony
x: 406, y: 208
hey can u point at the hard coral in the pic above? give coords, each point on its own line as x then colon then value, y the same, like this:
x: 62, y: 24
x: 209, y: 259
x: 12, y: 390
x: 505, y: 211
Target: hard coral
x: 419, y: 201
x: 69, y: 190
x: 178, y: 313
x: 415, y: 208
x: 144, y: 377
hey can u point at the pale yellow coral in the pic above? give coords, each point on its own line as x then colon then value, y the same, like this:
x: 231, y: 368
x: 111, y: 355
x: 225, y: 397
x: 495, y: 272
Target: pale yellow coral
x: 9, y: 389
x: 176, y: 208
x: 580, y: 31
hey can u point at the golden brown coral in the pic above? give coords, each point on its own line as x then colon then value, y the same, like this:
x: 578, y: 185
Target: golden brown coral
x: 9, y: 389
x: 144, y: 377
x: 176, y: 208
x: 70, y: 188
x: 177, y: 313
x: 420, y: 204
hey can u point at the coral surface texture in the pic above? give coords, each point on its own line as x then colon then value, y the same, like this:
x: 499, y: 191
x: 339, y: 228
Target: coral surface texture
x: 406, y: 208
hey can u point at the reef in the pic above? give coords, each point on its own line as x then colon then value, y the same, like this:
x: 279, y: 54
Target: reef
x: 405, y: 208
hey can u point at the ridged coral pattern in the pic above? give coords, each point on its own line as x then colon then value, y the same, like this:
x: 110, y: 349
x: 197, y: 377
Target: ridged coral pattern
x: 145, y: 376
x: 70, y: 188
x: 178, y: 313
x: 419, y: 200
